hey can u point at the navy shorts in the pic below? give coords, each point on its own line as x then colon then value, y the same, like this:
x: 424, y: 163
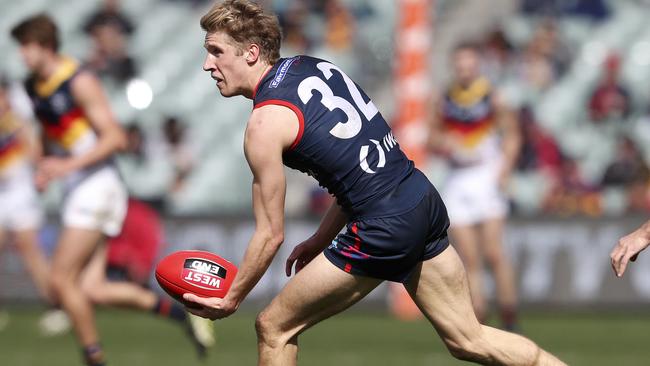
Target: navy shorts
x: 389, y: 248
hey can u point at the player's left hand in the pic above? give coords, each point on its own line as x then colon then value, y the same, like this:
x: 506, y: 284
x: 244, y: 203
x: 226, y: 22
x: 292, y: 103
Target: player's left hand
x: 211, y: 307
x: 627, y: 249
x: 55, y: 167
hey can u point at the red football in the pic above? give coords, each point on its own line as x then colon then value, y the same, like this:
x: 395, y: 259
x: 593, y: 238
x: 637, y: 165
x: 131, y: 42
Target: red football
x: 201, y: 273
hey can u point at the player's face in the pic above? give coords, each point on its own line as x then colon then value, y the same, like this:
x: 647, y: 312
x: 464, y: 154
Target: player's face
x: 466, y: 65
x: 226, y: 63
x: 32, y: 54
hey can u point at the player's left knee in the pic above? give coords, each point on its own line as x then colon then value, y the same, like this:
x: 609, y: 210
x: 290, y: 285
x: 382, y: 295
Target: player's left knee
x: 495, y: 259
x: 268, y: 332
x: 467, y: 348
x: 94, y: 293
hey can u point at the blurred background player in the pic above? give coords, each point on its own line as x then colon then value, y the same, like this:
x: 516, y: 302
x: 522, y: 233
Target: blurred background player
x: 81, y: 137
x: 21, y: 214
x: 479, y: 137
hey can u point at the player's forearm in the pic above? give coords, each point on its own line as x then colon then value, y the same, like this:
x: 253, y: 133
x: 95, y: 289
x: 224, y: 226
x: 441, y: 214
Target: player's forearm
x: 332, y: 223
x: 259, y: 255
x: 511, y: 148
x: 511, y: 139
x: 106, y: 146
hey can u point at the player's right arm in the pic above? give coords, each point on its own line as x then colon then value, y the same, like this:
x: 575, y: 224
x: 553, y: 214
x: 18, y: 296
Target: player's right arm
x: 629, y: 247
x: 303, y: 253
x: 270, y: 131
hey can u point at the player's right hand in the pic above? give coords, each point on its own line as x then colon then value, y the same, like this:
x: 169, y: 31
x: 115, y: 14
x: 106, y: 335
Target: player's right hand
x: 303, y: 253
x: 627, y: 249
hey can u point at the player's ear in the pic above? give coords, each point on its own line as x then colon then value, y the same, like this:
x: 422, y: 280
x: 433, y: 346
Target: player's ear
x: 252, y: 53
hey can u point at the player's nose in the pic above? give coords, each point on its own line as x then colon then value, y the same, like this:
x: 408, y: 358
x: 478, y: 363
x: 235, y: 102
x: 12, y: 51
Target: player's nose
x: 207, y: 65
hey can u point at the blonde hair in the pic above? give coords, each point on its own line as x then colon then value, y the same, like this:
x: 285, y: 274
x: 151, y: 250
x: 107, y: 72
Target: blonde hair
x: 246, y: 23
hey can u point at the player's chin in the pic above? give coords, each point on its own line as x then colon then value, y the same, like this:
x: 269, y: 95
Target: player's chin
x: 228, y: 93
x: 225, y: 92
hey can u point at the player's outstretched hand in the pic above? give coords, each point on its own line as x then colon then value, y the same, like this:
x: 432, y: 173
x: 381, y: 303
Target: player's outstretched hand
x: 303, y: 253
x: 210, y: 307
x: 627, y: 249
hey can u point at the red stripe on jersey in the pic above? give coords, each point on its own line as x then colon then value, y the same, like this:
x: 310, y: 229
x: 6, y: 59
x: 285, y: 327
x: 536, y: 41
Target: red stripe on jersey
x: 295, y: 109
x: 464, y: 127
x: 12, y: 145
x: 348, y: 267
x: 58, y: 129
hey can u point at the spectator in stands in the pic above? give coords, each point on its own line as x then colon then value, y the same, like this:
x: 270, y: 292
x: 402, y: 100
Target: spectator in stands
x: 570, y: 194
x: 539, y: 150
x: 497, y: 52
x: 594, y: 9
x: 147, y: 174
x: 629, y: 171
x: 294, y: 39
x: 339, y: 25
x: 543, y: 59
x: 610, y: 100
x: 181, y: 155
x: 109, y: 57
x: 548, y: 43
x: 109, y: 13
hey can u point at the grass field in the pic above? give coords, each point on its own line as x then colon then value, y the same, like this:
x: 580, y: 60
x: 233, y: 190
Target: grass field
x: 354, y: 338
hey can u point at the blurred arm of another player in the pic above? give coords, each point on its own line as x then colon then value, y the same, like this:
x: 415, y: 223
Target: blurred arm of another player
x: 89, y: 96
x: 439, y: 141
x: 508, y: 122
x: 304, y: 252
x: 629, y: 247
x: 271, y: 130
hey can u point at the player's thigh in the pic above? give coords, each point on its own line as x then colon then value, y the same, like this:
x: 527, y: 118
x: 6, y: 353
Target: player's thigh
x: 74, y: 250
x: 492, y: 236
x: 440, y: 289
x: 317, y: 292
x: 27, y: 242
x: 94, y: 274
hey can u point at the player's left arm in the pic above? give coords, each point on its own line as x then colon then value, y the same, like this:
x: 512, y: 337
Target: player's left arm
x: 89, y: 95
x: 628, y: 248
x: 507, y: 120
x: 269, y: 132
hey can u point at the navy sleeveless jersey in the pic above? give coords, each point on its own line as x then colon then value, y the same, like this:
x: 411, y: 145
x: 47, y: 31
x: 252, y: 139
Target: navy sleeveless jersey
x: 343, y: 141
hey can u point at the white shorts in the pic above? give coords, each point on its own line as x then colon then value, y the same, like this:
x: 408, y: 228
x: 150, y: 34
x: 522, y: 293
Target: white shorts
x: 20, y: 207
x: 472, y: 194
x: 98, y: 202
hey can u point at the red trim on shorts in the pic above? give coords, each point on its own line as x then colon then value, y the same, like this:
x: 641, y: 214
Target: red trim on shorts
x: 348, y: 267
x: 260, y: 81
x: 295, y: 109
x: 357, y: 239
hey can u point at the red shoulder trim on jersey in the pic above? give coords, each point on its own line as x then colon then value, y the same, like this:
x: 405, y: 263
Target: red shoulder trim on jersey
x: 295, y: 109
x: 257, y: 86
